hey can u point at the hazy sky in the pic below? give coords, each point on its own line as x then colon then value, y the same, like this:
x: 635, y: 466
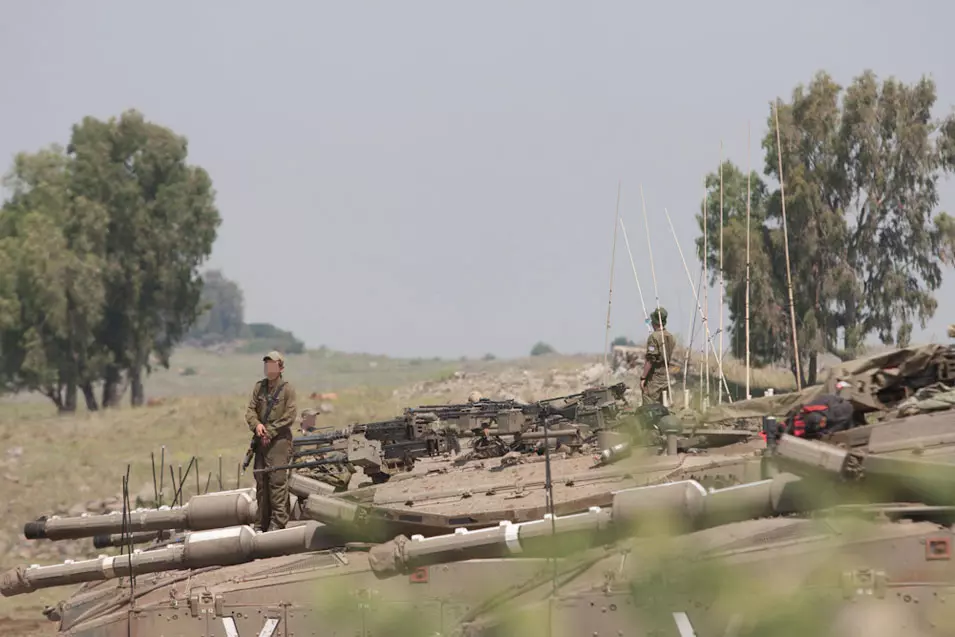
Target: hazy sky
x: 438, y: 178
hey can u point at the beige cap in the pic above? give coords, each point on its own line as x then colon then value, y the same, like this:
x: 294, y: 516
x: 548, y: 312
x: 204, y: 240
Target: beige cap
x: 274, y: 356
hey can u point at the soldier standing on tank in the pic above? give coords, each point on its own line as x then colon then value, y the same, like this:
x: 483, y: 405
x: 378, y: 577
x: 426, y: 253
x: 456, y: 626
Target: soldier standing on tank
x: 270, y: 415
x: 654, y: 382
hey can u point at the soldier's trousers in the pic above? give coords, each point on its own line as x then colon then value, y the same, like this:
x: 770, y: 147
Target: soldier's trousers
x: 271, y: 489
x: 653, y: 391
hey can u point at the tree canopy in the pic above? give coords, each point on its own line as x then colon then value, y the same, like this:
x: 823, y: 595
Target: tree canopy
x: 861, y: 167
x: 623, y: 341
x: 101, y: 244
x: 223, y: 310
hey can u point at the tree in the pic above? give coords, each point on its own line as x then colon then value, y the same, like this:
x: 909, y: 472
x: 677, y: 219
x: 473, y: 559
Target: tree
x: 222, y: 319
x: 52, y: 243
x: 542, y: 349
x: 622, y: 340
x: 101, y: 246
x: 768, y: 327
x: 265, y: 337
x: 162, y: 223
x: 861, y: 176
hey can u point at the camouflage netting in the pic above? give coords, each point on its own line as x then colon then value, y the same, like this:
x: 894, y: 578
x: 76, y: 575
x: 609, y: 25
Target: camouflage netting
x: 938, y: 397
x: 865, y: 376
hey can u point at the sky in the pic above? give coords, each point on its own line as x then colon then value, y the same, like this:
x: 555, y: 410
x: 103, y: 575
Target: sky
x: 439, y: 178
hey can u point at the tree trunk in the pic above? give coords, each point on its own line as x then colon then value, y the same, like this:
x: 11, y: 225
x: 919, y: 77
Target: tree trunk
x: 813, y: 368
x: 90, y: 397
x: 53, y: 393
x: 69, y: 403
x: 138, y: 394
x: 111, y: 381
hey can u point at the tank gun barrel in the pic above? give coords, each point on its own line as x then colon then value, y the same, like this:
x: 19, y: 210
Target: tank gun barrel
x: 202, y: 512
x: 684, y: 505
x: 301, y: 486
x: 907, y: 478
x: 218, y: 547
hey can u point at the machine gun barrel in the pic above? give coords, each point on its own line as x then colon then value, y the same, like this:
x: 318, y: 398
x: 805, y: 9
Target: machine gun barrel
x: 339, y: 458
x: 316, y: 451
x: 323, y: 438
x: 220, y: 547
x: 210, y: 511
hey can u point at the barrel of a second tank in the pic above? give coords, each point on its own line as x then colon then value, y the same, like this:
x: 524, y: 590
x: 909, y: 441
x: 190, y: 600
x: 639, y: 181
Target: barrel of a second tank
x: 210, y: 511
x: 302, y: 486
x: 661, y: 508
x: 782, y: 494
x: 217, y: 547
x: 27, y: 579
x: 57, y: 528
x: 670, y: 508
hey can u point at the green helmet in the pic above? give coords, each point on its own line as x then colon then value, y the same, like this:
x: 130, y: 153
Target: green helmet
x: 659, y: 316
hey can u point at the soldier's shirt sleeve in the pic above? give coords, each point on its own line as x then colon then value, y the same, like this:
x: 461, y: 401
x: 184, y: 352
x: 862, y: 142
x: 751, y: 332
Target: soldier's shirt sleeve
x: 251, y: 415
x: 289, y: 413
x: 653, y: 350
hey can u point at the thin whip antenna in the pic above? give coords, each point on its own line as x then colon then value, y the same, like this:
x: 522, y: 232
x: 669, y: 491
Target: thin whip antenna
x: 656, y: 294
x: 128, y: 539
x: 635, y: 277
x: 162, y: 471
x: 720, y: 393
x: 549, y: 494
x: 182, y: 480
x: 706, y: 291
x: 689, y: 277
x: 789, y: 276
x: 690, y: 336
x: 152, y: 459
x: 172, y: 481
x: 613, y: 258
x: 749, y: 175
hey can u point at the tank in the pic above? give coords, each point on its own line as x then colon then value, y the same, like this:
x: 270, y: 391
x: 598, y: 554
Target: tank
x: 656, y: 561
x: 610, y: 537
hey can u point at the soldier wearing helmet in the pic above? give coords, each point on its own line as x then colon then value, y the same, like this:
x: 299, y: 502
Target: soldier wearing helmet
x: 474, y: 397
x: 661, y: 346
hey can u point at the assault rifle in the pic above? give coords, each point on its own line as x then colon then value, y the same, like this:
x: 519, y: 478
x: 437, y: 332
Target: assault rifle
x: 270, y: 401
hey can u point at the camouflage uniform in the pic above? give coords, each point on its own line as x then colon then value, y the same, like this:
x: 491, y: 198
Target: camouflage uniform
x: 654, y: 382
x: 272, y: 488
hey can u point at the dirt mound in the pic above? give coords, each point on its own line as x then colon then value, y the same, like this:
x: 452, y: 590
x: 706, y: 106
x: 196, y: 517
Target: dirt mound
x: 512, y: 384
